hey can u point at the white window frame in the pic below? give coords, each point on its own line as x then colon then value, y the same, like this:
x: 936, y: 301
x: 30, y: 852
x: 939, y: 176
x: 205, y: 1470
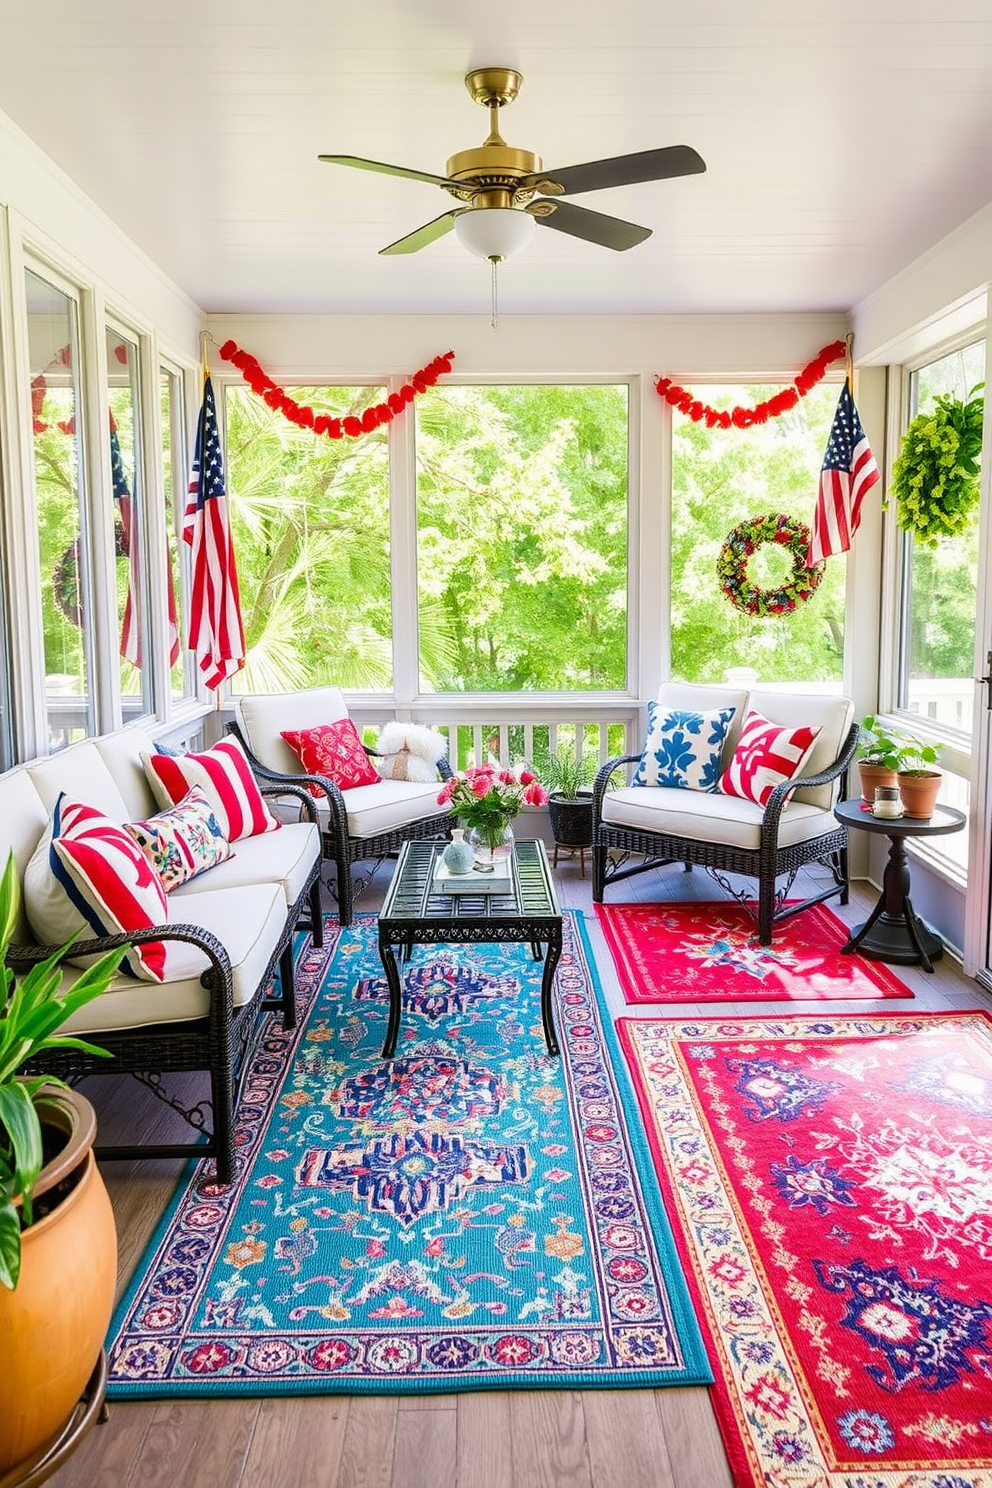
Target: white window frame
x: 955, y: 745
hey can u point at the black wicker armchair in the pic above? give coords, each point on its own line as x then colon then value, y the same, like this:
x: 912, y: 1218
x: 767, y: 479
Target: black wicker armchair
x: 636, y: 828
x: 366, y: 823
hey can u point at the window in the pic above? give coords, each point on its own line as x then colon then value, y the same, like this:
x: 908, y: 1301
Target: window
x: 940, y: 584
x: 522, y: 538
x: 310, y: 523
x: 939, y: 602
x: 53, y: 344
x: 172, y: 411
x: 127, y: 490
x: 721, y: 477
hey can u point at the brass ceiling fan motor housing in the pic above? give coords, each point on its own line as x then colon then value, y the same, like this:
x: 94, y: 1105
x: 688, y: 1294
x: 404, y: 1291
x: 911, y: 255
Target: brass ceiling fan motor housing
x: 494, y: 168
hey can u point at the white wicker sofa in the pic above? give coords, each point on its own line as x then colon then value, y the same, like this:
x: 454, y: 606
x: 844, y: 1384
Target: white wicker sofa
x: 638, y: 827
x: 229, y: 929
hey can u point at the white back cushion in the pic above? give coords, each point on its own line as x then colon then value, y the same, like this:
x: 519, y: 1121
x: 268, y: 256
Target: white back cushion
x: 695, y: 697
x: 121, y: 752
x: 23, y: 819
x: 833, y: 716
x: 83, y: 774
x: 263, y: 717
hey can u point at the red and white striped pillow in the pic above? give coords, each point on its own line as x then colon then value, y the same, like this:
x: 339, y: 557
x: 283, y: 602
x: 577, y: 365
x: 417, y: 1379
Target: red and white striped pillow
x: 88, y: 877
x: 227, y: 781
x: 766, y: 755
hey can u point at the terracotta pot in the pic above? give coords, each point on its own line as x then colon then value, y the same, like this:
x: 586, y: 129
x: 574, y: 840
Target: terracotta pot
x: 919, y: 792
x: 53, y: 1324
x: 871, y: 776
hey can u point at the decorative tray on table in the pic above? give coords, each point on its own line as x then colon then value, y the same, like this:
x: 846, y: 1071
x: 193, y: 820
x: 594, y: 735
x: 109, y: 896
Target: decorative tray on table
x: 500, y: 881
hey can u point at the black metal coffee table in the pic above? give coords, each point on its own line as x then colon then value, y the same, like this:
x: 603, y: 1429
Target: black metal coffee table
x: 415, y: 913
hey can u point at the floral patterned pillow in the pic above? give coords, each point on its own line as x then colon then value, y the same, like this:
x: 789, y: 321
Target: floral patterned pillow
x: 683, y: 749
x: 183, y: 841
x: 334, y: 750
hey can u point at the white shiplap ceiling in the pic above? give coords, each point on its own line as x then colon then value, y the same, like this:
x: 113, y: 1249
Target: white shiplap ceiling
x: 842, y: 138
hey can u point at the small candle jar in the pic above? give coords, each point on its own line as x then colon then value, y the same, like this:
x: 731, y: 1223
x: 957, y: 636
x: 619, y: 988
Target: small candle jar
x: 887, y: 801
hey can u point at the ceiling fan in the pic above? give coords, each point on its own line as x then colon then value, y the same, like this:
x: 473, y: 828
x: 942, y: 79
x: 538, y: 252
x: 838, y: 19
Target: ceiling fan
x: 505, y: 191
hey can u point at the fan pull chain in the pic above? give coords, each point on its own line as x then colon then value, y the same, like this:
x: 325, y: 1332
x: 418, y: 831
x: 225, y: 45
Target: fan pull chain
x: 493, y: 312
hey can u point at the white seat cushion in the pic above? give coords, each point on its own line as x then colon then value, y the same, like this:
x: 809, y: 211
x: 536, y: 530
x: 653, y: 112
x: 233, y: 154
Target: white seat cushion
x: 374, y: 809
x: 708, y: 817
x: 284, y: 857
x: 247, y: 921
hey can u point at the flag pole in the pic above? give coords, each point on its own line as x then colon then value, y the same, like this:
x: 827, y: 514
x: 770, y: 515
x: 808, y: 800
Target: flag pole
x: 849, y: 363
x: 204, y: 335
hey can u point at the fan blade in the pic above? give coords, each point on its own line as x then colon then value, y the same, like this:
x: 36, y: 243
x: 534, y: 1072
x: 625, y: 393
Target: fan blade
x: 386, y: 170
x: 622, y: 170
x: 420, y: 238
x: 608, y: 232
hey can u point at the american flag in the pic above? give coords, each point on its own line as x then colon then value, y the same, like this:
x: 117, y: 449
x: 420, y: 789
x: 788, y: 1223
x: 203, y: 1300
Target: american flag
x: 130, y: 548
x: 216, y: 631
x: 848, y: 473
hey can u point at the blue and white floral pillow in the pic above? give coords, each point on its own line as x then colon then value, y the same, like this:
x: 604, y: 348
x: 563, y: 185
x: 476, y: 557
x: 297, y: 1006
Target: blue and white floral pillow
x: 683, y: 749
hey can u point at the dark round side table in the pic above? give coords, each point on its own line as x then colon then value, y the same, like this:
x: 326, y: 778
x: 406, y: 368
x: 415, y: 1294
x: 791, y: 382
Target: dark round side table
x: 893, y: 931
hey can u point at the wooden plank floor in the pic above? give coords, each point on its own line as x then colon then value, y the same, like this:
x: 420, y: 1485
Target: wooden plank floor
x: 486, y: 1439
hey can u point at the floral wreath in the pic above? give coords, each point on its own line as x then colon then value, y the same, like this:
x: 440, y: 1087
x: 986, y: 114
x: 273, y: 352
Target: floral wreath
x: 735, y: 554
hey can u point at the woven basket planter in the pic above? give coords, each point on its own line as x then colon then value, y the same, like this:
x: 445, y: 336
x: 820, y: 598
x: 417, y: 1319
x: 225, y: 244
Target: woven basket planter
x: 571, y: 819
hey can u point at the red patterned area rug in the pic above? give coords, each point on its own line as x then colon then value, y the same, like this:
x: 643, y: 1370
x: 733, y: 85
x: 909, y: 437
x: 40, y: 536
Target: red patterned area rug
x: 702, y: 951
x: 830, y: 1182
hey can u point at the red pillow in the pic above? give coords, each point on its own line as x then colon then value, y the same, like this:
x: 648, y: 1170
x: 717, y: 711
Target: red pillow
x: 766, y: 755
x: 334, y: 750
x: 228, y: 784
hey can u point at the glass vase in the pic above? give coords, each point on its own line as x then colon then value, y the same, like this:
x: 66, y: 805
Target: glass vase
x: 491, y: 847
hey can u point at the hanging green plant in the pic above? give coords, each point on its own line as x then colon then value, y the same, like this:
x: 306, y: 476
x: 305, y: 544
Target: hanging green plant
x: 935, y: 480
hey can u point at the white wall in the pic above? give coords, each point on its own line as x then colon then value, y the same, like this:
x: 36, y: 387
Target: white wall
x: 45, y: 208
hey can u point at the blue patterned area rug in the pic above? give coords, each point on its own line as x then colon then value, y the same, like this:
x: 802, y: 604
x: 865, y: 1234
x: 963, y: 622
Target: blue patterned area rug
x: 472, y: 1214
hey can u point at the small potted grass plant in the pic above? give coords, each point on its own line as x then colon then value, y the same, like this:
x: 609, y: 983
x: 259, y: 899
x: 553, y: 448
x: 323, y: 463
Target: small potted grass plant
x: 569, y: 777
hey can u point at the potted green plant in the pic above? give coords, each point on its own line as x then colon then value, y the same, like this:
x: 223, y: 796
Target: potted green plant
x: 568, y: 777
x: 879, y: 753
x: 58, y: 1245
x: 918, y: 778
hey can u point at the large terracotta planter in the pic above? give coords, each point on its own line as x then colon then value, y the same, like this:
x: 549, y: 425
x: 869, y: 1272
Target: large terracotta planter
x: 919, y: 792
x: 873, y: 776
x: 53, y: 1325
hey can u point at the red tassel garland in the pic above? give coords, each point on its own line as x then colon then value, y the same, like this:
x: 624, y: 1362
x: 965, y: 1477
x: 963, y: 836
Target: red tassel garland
x: 334, y: 428
x: 744, y: 418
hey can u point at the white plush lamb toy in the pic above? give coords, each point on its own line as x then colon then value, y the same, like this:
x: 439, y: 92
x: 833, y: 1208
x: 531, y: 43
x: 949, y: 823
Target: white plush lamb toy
x: 409, y: 752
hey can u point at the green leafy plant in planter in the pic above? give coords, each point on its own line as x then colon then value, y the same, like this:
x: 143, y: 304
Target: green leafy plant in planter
x: 31, y: 1010
x: 918, y: 777
x: 878, y: 746
x: 568, y: 778
x: 935, y: 479
x: 916, y: 758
